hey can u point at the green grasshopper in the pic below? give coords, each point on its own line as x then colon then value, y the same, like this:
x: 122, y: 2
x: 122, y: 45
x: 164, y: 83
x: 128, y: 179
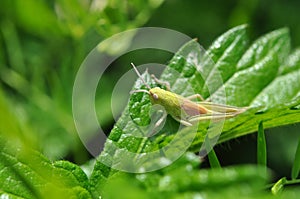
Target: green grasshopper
x: 183, y: 109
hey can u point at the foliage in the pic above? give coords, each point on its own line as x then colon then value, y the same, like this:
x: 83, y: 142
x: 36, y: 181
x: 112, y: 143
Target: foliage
x: 40, y: 55
x: 261, y: 66
x: 44, y: 52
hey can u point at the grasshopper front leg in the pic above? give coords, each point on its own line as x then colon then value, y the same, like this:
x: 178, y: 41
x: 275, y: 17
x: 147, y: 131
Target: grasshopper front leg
x: 157, y: 124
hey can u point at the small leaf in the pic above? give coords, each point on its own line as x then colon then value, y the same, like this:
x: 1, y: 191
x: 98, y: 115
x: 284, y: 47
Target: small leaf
x: 261, y: 146
x: 296, y: 165
x: 278, y: 186
x: 212, y: 157
x: 27, y: 174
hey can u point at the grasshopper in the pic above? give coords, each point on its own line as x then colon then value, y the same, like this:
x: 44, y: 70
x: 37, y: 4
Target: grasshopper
x: 183, y: 109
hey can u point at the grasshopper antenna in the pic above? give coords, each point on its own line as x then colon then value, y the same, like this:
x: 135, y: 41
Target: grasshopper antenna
x: 137, y: 72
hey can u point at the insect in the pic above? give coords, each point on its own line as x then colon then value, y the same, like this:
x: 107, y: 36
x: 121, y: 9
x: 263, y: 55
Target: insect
x: 183, y: 109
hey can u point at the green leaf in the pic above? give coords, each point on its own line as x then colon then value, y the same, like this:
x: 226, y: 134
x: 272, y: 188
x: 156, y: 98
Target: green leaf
x: 257, y: 68
x: 261, y: 146
x: 278, y: 186
x: 183, y: 179
x: 250, y: 77
x: 212, y: 157
x: 27, y: 174
x: 279, y: 92
x: 72, y: 169
x: 296, y: 165
x: 8, y: 196
x: 256, y: 80
x: 263, y: 60
x: 226, y: 51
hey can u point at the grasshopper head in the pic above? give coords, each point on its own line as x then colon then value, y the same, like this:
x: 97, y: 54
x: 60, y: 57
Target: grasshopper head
x: 156, y: 95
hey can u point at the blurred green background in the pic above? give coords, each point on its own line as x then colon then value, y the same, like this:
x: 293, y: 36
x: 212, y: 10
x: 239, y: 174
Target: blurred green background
x: 43, y: 43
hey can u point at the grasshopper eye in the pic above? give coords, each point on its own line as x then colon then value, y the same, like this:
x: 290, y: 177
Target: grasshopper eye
x: 155, y: 96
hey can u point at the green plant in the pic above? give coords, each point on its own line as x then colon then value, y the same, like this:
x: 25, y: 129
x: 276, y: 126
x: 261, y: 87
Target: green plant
x: 253, y: 76
x: 42, y: 44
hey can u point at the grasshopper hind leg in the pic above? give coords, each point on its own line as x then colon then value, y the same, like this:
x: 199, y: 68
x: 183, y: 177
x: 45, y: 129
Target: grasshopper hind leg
x: 214, y: 117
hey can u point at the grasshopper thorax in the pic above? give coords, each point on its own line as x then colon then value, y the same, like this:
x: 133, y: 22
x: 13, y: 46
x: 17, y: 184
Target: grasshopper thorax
x: 161, y: 96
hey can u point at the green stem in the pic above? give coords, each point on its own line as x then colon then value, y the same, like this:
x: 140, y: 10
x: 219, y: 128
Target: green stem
x: 212, y: 157
x: 293, y: 181
x: 261, y: 146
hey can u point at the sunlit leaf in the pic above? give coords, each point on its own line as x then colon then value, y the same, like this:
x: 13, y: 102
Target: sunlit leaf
x: 249, y: 75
